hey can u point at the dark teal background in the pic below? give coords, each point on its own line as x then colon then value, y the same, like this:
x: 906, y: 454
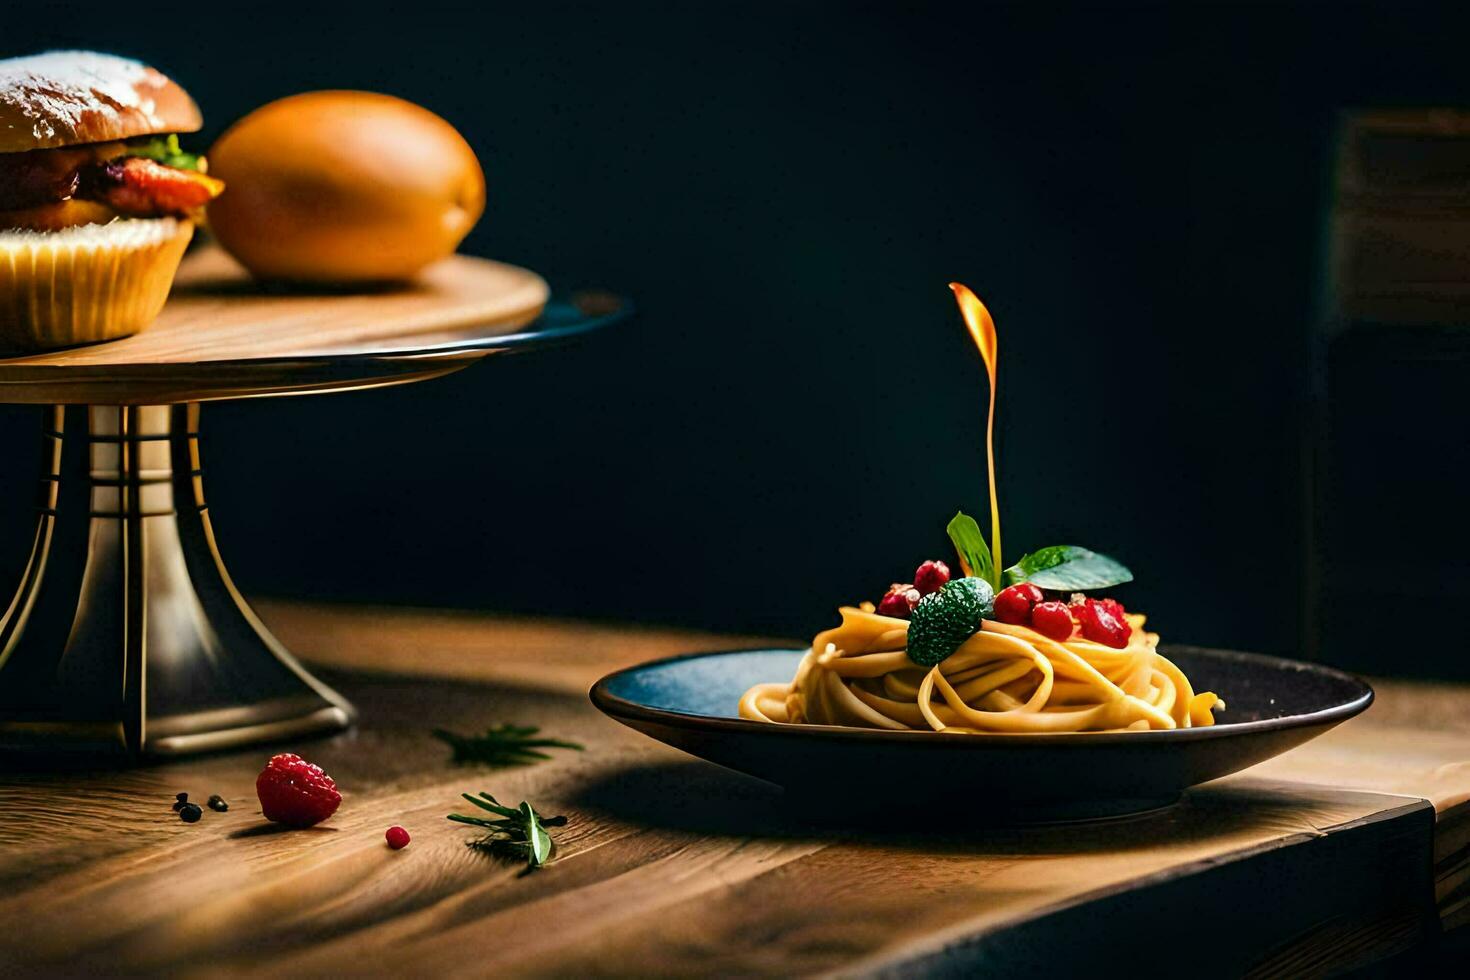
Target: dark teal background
x: 785, y: 189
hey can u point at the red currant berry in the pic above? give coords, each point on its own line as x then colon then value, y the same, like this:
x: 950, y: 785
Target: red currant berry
x: 1052, y: 620
x: 1101, y: 625
x: 931, y: 577
x: 1013, y: 603
x: 397, y: 838
x: 900, y: 600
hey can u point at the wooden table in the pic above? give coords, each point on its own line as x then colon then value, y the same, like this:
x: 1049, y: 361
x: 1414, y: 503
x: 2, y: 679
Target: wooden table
x: 1324, y: 858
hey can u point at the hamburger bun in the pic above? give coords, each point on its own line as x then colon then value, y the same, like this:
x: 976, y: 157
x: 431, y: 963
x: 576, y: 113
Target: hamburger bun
x: 62, y: 98
x: 343, y: 187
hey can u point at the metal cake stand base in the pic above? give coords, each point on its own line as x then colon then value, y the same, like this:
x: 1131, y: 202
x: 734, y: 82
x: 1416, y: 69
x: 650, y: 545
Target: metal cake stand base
x: 126, y: 634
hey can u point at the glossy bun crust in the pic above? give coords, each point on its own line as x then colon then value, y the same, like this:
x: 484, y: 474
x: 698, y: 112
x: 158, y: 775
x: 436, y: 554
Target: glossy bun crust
x: 65, y: 97
x: 343, y: 187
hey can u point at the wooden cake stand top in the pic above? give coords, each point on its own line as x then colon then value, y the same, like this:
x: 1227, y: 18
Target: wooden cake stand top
x: 223, y: 336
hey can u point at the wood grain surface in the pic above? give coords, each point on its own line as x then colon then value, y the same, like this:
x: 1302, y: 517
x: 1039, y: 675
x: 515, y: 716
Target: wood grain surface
x: 670, y: 866
x: 222, y: 335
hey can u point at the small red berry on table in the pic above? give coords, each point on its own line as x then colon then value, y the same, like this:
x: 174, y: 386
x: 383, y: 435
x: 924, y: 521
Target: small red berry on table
x: 1052, y: 620
x: 296, y: 793
x: 931, y: 577
x: 397, y: 838
x: 1013, y: 604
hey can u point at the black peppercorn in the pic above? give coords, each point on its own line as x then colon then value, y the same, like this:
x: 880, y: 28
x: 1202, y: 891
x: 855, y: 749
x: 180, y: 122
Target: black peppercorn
x: 190, y: 812
x: 217, y: 803
x: 180, y: 800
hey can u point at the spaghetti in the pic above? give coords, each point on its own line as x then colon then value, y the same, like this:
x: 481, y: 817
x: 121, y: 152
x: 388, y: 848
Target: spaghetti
x: 1003, y: 679
x: 970, y: 657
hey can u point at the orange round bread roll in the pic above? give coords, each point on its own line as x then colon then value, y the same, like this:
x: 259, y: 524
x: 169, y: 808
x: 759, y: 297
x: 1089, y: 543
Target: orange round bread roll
x: 342, y: 187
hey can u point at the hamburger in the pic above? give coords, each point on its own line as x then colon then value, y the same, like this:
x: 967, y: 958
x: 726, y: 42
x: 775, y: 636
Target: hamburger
x: 97, y: 199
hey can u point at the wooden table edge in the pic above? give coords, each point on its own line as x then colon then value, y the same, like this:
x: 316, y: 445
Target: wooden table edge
x: 958, y: 946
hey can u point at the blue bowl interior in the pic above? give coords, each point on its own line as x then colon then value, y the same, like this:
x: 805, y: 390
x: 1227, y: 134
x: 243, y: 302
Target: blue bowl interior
x: 708, y: 686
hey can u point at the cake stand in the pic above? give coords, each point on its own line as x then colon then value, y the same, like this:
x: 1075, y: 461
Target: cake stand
x: 126, y: 634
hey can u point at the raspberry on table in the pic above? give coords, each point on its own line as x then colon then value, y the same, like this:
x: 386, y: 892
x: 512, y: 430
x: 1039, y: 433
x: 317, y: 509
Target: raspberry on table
x: 296, y: 793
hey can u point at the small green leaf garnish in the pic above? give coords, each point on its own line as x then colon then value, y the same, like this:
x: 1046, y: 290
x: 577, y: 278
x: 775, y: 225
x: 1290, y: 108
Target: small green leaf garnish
x: 539, y: 851
x: 520, y: 830
x: 1068, y: 568
x: 164, y: 150
x: 944, y: 620
x: 970, y: 545
x: 503, y: 745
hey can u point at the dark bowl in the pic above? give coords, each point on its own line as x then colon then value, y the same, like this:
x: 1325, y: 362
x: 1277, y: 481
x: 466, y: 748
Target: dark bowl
x: 1272, y: 705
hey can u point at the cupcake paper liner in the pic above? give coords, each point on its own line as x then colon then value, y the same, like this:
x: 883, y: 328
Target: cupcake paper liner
x: 87, y: 283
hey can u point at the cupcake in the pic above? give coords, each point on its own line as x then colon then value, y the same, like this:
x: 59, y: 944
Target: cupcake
x: 97, y: 199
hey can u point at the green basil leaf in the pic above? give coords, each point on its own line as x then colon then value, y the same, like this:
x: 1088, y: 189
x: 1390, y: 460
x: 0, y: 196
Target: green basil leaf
x: 970, y: 545
x: 1068, y: 568
x: 539, y: 840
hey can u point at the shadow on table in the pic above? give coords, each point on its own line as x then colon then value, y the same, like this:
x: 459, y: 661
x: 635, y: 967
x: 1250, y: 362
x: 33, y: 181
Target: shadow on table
x: 696, y: 797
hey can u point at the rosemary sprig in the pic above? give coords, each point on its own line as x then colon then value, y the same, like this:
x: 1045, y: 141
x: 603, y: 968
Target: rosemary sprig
x: 520, y: 830
x: 502, y: 745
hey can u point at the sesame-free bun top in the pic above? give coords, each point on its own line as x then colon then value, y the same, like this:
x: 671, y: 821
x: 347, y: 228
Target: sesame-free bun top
x: 343, y: 187
x: 65, y: 97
